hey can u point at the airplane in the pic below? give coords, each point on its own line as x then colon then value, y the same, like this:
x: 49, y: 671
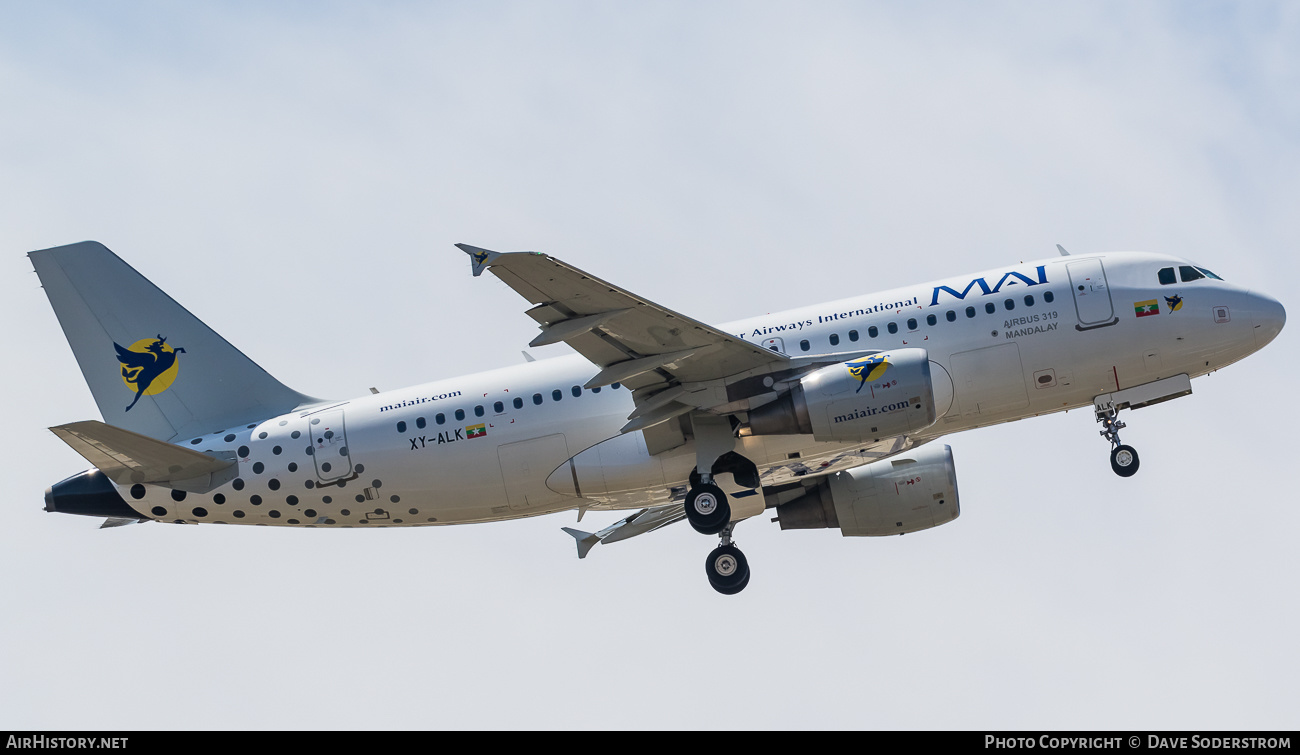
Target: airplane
x: 826, y: 414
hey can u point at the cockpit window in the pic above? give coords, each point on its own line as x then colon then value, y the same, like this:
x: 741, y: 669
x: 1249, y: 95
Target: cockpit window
x: 1207, y: 272
x: 1167, y: 276
x: 1189, y: 273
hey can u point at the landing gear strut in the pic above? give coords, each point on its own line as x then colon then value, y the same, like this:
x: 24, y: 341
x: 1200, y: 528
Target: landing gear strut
x: 706, y: 504
x: 1123, y: 459
x: 726, y: 566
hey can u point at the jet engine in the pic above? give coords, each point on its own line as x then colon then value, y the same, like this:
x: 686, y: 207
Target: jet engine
x: 863, y: 399
x: 905, y: 493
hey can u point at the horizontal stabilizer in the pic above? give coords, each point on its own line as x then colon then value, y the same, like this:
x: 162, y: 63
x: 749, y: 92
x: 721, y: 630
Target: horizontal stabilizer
x: 129, y: 458
x: 117, y: 521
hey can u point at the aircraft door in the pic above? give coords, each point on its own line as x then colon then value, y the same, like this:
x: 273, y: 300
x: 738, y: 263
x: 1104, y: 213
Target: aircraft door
x: 329, y: 446
x: 1091, y: 295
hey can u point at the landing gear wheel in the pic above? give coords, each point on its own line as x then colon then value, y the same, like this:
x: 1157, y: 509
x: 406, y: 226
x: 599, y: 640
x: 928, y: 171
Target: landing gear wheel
x: 735, y: 589
x: 727, y: 569
x: 707, y: 509
x: 1124, y: 460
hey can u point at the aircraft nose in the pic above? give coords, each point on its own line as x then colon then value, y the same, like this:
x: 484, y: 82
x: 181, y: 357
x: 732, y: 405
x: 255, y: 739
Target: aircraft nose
x: 1269, y: 317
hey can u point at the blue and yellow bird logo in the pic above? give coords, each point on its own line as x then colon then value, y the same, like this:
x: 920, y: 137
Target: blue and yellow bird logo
x: 867, y: 369
x: 148, y: 366
x: 479, y: 257
x: 1175, y: 302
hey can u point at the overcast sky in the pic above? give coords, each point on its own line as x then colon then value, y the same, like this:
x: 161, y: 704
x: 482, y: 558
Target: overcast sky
x: 296, y: 174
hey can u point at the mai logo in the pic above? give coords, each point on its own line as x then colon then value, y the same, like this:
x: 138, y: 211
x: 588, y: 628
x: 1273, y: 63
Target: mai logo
x: 1008, y: 279
x: 1175, y: 302
x: 867, y: 369
x: 148, y: 366
x: 479, y: 257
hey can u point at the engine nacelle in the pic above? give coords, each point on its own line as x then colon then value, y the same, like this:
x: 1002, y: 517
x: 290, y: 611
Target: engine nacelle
x: 904, y: 493
x: 863, y: 399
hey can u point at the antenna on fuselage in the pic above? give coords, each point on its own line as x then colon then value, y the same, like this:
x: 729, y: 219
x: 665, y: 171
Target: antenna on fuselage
x: 1061, y: 249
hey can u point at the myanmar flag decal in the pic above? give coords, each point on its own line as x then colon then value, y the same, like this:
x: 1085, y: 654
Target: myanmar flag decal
x: 1146, y: 308
x: 476, y: 431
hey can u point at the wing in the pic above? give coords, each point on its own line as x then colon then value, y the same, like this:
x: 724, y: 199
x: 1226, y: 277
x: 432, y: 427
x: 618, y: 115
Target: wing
x: 672, y: 364
x: 634, y: 341
x: 643, y: 521
x: 133, y: 358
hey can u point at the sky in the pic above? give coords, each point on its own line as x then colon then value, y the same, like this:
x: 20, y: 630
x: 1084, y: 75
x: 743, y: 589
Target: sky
x: 296, y: 174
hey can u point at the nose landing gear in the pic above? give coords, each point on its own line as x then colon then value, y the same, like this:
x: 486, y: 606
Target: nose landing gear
x: 1123, y: 459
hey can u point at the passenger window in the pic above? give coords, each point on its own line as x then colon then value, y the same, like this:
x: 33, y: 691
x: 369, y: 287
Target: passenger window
x: 1167, y: 276
x: 804, y: 345
x: 537, y: 399
x: 1029, y: 301
x: 873, y: 331
x: 613, y: 386
x: 460, y: 414
x: 911, y: 323
x: 853, y: 335
x: 952, y: 316
x: 478, y: 411
x: 835, y: 339
x: 401, y: 427
x: 596, y: 389
x: 498, y: 407
x: 1189, y: 273
x: 892, y: 327
x: 556, y: 395
x: 990, y: 308
x: 931, y: 319
x: 1010, y: 304
x: 440, y: 419
x: 576, y: 391
x: 518, y: 403
x: 970, y: 311
x: 419, y: 422
x: 1049, y: 297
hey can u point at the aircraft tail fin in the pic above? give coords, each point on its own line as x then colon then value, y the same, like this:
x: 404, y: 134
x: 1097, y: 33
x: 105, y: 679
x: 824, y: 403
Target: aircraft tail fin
x: 153, y: 368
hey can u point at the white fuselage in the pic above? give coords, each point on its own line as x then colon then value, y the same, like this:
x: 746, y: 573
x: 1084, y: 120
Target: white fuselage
x: 1015, y: 342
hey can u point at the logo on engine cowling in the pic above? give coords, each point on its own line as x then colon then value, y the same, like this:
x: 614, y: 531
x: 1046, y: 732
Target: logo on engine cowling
x: 867, y: 369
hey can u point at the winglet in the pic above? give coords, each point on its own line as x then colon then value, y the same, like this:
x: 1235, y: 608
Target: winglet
x: 1061, y: 249
x: 481, y: 258
x: 586, y: 540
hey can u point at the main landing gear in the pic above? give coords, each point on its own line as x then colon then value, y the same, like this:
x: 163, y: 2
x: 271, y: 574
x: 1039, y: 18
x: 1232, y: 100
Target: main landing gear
x: 706, y: 505
x: 1123, y: 459
x: 726, y: 566
x: 707, y: 509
